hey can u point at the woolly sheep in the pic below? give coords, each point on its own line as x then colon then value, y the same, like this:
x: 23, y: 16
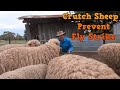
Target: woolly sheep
x: 30, y: 43
x: 9, y: 46
x: 28, y: 72
x: 78, y: 67
x: 54, y: 40
x: 14, y: 58
x: 110, y: 55
x: 33, y: 43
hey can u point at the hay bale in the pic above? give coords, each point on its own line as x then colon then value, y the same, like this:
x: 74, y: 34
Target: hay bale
x: 28, y: 72
x: 78, y: 67
x: 33, y: 43
x: 18, y: 57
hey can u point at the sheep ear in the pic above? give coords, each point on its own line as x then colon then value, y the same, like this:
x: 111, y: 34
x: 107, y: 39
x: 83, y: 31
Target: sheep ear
x: 57, y: 43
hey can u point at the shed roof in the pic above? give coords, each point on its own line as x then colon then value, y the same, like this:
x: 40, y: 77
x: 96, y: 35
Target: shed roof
x: 40, y: 16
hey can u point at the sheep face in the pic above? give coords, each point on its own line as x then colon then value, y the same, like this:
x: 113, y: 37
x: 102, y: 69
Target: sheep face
x: 55, y: 41
x: 33, y: 43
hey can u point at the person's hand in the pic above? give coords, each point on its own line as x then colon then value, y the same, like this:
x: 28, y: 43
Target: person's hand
x: 69, y: 52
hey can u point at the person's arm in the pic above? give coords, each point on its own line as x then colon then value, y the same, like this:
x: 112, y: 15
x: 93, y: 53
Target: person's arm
x: 71, y: 46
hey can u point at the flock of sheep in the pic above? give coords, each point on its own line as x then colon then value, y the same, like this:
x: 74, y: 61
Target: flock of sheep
x: 43, y: 61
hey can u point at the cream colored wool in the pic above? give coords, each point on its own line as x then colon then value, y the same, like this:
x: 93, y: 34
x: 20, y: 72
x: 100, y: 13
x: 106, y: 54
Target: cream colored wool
x: 110, y: 54
x: 78, y: 67
x: 9, y: 46
x: 28, y: 72
x: 30, y: 43
x: 54, y: 40
x: 33, y: 43
x: 18, y: 57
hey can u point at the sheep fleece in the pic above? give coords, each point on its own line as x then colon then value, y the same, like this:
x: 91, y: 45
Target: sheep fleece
x: 78, y: 67
x: 33, y: 43
x: 18, y: 57
x: 28, y: 72
x: 9, y: 46
x: 28, y: 44
x: 110, y: 54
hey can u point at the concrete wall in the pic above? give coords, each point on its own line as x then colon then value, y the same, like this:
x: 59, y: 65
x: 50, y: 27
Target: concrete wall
x: 116, y: 31
x: 86, y: 45
x: 116, y: 28
x: 117, y: 39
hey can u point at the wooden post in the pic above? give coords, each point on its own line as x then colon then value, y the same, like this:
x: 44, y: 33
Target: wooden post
x: 9, y: 41
x: 39, y: 31
x: 104, y: 40
x: 28, y: 37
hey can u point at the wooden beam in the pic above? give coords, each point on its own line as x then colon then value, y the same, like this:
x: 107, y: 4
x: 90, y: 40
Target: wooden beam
x: 44, y: 20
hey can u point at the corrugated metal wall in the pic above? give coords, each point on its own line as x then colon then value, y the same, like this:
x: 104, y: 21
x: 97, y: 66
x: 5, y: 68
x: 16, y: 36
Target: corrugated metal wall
x: 49, y: 30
